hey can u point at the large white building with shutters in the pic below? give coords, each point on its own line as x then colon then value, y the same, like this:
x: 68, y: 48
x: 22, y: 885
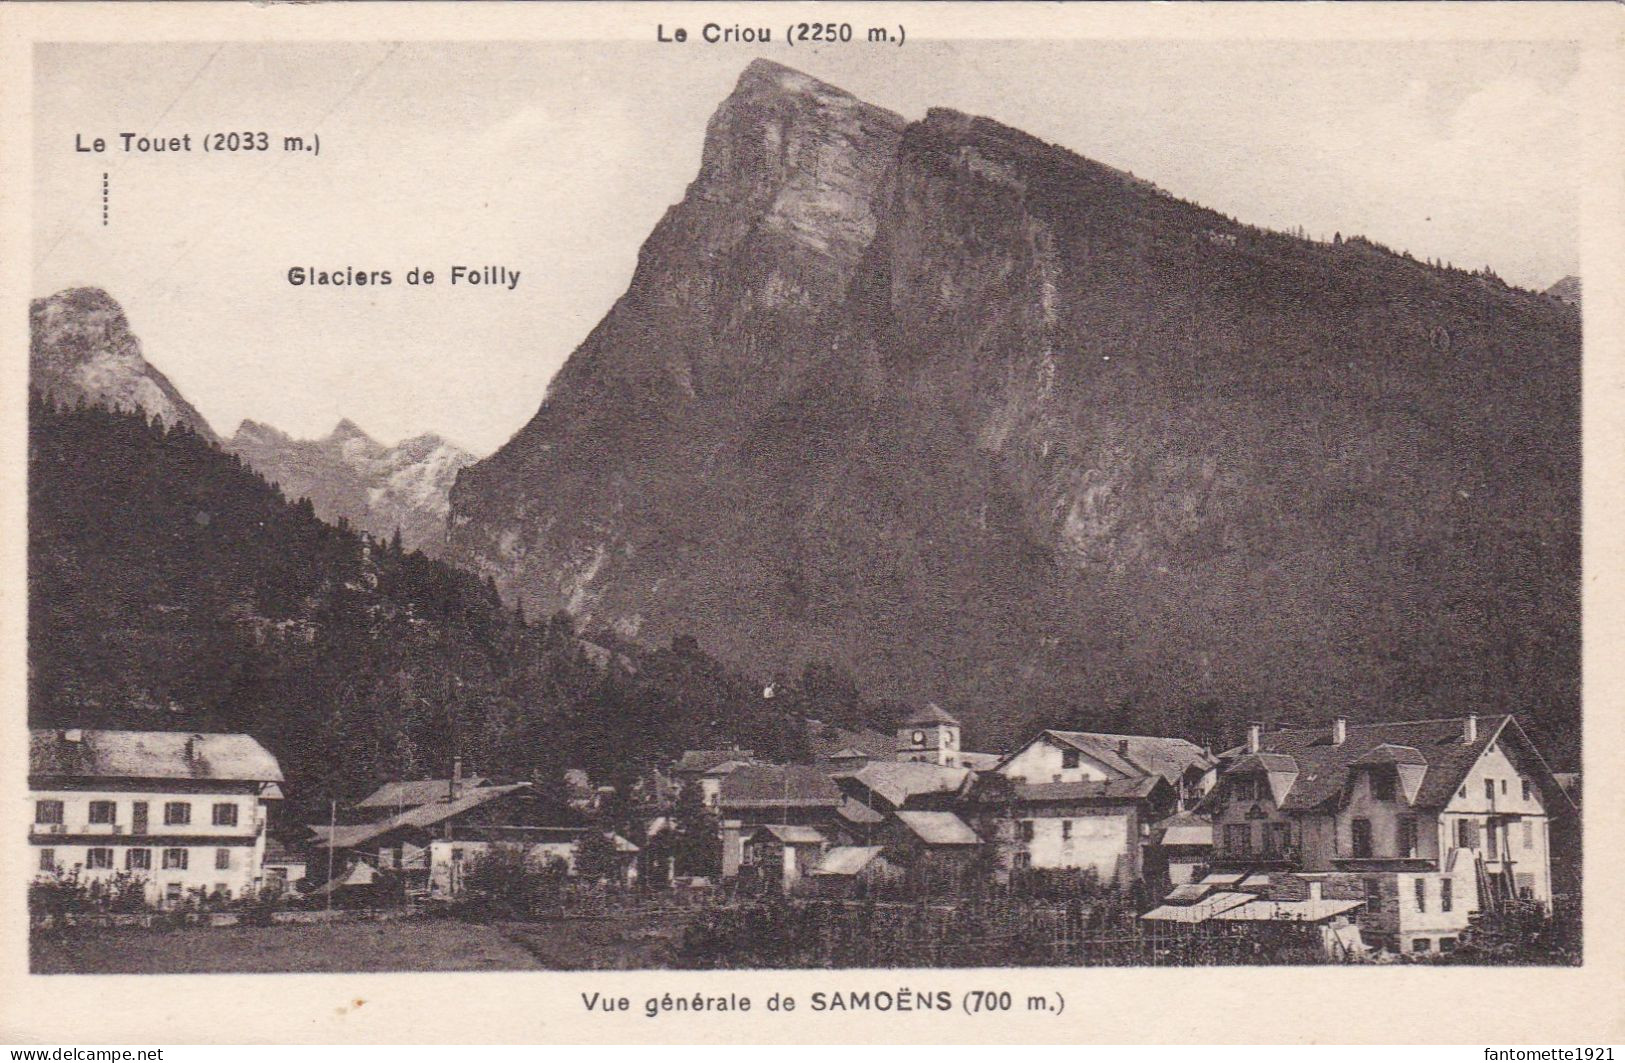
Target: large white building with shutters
x: 181, y: 812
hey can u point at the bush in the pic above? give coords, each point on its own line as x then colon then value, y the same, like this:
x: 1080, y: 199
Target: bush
x: 505, y: 883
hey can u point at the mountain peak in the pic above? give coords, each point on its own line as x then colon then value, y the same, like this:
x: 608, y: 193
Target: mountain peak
x: 255, y: 430
x: 81, y: 347
x: 347, y: 430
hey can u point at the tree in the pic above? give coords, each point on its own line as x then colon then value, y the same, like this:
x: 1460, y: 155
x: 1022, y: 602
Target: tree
x: 597, y: 858
x: 697, y: 840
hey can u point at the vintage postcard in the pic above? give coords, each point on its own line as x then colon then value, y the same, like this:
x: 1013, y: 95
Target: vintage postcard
x: 812, y: 522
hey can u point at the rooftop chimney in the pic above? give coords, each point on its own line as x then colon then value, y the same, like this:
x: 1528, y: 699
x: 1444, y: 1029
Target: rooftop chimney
x: 1314, y: 889
x: 1340, y: 730
x: 1255, y: 736
x: 1469, y: 729
x: 456, y: 778
x: 1122, y: 747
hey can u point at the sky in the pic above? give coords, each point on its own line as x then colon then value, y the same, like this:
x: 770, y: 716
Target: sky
x: 557, y: 160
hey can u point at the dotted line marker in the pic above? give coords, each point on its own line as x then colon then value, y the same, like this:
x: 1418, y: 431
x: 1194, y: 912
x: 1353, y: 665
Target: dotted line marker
x: 104, y: 199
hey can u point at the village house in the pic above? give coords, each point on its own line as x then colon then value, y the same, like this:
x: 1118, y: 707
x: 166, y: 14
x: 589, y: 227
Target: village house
x: 1433, y: 819
x: 781, y: 855
x: 1076, y: 801
x: 937, y: 850
x: 1087, y: 756
x: 705, y: 769
x: 428, y: 832
x: 183, y: 813
x: 758, y: 795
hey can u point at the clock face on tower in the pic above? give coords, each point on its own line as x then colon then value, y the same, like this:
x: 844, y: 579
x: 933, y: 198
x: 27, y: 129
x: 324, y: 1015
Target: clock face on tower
x: 919, y: 738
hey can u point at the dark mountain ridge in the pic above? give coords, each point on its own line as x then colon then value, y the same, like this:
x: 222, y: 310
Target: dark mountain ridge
x: 999, y: 426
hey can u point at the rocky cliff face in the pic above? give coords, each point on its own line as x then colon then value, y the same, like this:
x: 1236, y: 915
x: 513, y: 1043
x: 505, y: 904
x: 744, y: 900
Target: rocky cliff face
x: 1003, y: 427
x: 348, y: 474
x: 81, y: 347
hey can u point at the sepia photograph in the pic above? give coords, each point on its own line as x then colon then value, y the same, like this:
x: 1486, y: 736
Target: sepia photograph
x: 748, y: 493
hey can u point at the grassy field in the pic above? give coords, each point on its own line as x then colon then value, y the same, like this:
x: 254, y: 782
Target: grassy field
x: 400, y: 945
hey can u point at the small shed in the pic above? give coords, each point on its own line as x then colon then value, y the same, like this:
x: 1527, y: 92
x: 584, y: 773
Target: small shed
x: 855, y: 871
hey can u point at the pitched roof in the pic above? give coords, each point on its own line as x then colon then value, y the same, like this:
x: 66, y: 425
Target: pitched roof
x: 793, y: 834
x: 939, y: 828
x: 1323, y: 768
x: 859, y: 813
x: 348, y: 836
x: 1137, y: 754
x: 1096, y: 790
x: 1200, y: 911
x: 773, y: 785
x: 899, y: 780
x: 1306, y: 911
x: 979, y: 761
x: 1183, y: 828
x: 930, y: 713
x: 150, y: 755
x: 697, y: 761
x: 832, y: 741
x: 415, y: 792
x: 725, y: 767
x: 847, y: 859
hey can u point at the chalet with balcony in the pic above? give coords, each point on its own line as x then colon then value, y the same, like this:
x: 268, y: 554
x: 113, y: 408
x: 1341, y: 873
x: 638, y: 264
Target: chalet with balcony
x: 1434, y: 818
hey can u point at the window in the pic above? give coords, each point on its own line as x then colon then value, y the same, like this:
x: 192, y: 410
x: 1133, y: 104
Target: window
x: 1528, y: 834
x: 175, y: 859
x: 103, y: 812
x: 1467, y: 833
x: 1528, y: 792
x: 1382, y: 786
x: 1277, y: 838
x: 47, y: 859
x: 1238, y: 838
x: 1525, y: 884
x: 1373, y: 895
x: 177, y: 813
x: 172, y: 892
x: 457, y: 856
x: 386, y: 857
x: 225, y: 815
x: 1489, y: 789
x: 1447, y: 897
x: 1244, y: 789
x: 138, y: 860
x: 98, y: 859
x: 1447, y: 944
x: 1407, y: 836
x: 48, y: 812
x: 1069, y: 758
x: 1503, y: 787
x: 1422, y: 945
x: 1022, y: 861
x: 1027, y: 830
x: 1066, y: 829
x: 1421, y: 894
x: 222, y: 859
x: 1361, y: 829
x: 220, y: 888
x: 1492, y: 844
